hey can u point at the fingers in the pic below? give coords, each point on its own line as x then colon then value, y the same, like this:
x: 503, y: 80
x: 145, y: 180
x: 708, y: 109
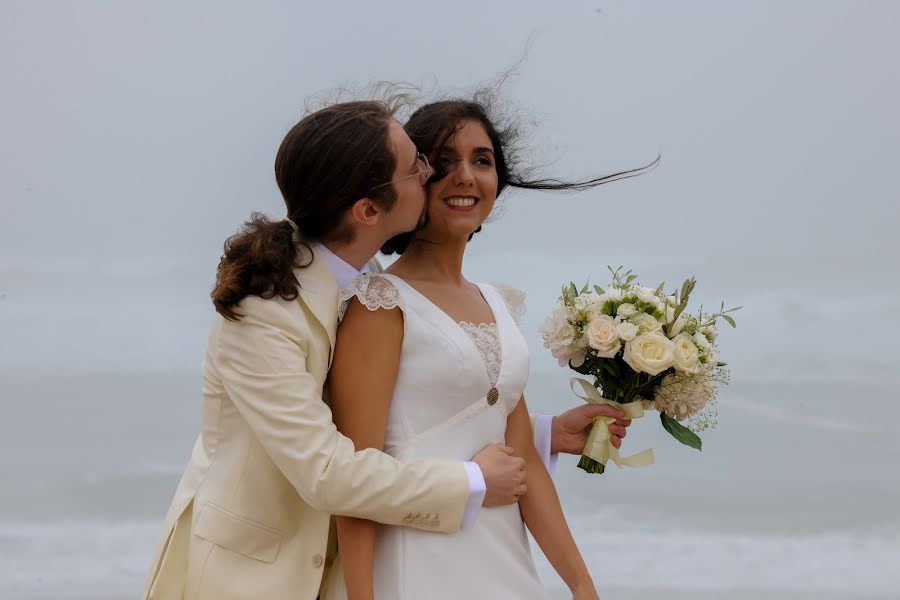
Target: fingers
x: 602, y: 410
x: 522, y: 490
x: 506, y: 449
x: 616, y: 441
x: 618, y: 430
x: 623, y: 422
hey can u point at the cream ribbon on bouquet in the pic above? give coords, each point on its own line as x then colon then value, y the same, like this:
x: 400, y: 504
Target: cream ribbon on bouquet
x: 599, y: 442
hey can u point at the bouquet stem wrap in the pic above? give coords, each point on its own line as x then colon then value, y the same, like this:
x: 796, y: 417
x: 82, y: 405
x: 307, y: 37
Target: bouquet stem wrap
x: 599, y: 449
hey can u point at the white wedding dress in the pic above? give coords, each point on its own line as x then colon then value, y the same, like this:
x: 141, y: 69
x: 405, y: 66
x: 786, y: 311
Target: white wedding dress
x: 456, y: 385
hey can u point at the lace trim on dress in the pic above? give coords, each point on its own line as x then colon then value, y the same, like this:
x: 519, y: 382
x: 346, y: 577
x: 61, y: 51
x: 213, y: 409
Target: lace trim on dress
x: 487, y: 339
x: 514, y: 299
x: 372, y: 291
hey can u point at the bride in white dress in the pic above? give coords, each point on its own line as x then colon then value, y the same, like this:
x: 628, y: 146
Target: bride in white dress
x: 429, y: 365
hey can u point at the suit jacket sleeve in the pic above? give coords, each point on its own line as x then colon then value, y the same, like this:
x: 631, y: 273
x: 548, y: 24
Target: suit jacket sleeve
x: 262, y: 360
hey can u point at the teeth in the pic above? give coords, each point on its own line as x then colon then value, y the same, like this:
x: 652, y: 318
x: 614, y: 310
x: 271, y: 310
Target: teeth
x: 460, y: 202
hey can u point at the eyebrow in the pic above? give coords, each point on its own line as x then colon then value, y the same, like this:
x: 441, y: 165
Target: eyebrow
x: 483, y: 149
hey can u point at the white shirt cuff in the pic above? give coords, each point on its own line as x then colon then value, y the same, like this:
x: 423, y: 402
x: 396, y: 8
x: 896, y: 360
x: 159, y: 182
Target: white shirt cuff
x: 477, y: 492
x: 543, y: 433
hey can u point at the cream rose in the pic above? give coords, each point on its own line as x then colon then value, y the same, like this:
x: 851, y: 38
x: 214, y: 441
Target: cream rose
x: 603, y: 337
x: 687, y: 357
x: 650, y: 353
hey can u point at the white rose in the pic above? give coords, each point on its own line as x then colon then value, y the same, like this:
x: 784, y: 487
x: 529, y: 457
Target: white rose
x: 701, y: 341
x: 626, y: 310
x: 603, y: 337
x: 627, y: 331
x: 650, y: 353
x: 646, y: 323
x: 687, y: 357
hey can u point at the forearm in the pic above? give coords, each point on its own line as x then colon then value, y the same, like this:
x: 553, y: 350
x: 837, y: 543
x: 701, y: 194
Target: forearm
x: 544, y: 517
x: 540, y: 506
x: 356, y: 543
x: 261, y: 364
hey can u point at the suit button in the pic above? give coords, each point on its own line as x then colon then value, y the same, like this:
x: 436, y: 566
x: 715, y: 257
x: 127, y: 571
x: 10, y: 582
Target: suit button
x: 318, y: 561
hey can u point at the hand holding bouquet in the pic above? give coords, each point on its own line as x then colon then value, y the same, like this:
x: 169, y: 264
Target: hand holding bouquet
x: 643, y: 351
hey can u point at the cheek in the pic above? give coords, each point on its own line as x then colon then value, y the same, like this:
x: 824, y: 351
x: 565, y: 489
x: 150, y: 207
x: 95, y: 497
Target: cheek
x: 488, y: 189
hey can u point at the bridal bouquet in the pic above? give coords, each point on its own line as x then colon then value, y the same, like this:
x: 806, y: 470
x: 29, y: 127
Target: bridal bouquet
x: 644, y: 351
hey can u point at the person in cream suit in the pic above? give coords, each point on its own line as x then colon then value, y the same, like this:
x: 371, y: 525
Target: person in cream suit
x: 252, y: 514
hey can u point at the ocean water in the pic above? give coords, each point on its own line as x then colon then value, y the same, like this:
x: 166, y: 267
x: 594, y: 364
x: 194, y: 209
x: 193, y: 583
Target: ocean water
x: 794, y: 496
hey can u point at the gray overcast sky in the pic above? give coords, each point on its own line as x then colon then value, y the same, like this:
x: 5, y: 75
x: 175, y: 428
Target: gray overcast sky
x: 137, y: 136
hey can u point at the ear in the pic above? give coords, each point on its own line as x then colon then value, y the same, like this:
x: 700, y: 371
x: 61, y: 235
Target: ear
x: 366, y: 212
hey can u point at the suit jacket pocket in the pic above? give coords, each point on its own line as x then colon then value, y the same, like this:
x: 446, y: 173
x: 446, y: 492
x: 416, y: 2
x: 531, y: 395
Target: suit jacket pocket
x: 238, y: 534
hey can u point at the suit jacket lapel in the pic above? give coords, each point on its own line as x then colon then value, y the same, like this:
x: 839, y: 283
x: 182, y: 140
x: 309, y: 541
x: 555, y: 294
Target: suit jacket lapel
x: 319, y: 291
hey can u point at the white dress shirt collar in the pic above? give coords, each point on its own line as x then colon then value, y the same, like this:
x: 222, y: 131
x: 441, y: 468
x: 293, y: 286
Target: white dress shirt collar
x: 343, y: 272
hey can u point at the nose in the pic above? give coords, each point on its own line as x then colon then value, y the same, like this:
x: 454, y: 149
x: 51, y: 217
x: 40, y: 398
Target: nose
x: 462, y: 174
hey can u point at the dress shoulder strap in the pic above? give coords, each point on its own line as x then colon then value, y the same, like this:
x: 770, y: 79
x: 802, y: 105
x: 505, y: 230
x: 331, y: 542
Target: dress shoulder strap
x: 514, y: 299
x: 373, y: 291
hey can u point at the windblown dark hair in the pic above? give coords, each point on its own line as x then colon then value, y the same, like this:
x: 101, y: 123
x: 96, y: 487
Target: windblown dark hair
x: 329, y: 160
x: 432, y: 127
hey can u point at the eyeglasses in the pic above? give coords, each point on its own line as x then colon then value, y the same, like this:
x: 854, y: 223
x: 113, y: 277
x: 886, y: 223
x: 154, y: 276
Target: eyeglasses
x: 424, y: 173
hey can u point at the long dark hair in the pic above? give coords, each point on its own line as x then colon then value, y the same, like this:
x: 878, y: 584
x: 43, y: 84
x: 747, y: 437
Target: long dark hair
x: 432, y: 127
x: 326, y: 162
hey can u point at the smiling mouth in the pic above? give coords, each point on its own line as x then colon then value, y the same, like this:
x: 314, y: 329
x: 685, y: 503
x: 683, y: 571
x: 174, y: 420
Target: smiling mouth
x: 461, y: 202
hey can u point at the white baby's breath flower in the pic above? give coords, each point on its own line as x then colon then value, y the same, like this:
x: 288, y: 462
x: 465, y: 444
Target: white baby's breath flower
x: 627, y: 331
x: 687, y: 357
x: 650, y: 353
x: 603, y: 336
x: 582, y: 301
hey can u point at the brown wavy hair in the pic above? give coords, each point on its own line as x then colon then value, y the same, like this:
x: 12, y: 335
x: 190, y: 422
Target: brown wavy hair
x: 433, y: 126
x: 329, y: 160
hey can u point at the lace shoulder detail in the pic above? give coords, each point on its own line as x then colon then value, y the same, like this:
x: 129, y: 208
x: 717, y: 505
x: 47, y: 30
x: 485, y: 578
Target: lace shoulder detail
x: 373, y: 291
x: 514, y: 299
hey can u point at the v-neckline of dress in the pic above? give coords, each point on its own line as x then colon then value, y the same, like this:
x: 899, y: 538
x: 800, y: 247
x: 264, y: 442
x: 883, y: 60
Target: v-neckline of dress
x: 457, y: 326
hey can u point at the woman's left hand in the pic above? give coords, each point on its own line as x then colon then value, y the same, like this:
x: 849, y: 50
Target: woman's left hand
x: 569, y: 431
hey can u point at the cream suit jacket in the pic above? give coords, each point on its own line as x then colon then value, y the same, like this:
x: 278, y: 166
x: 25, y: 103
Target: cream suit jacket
x: 252, y: 513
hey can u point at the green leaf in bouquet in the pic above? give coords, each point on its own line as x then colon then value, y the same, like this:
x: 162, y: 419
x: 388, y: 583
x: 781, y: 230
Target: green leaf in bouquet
x: 729, y: 320
x: 680, y: 432
x: 629, y: 279
x: 573, y: 290
x: 584, y: 369
x: 721, y: 364
x: 585, y: 288
x: 599, y: 290
x: 660, y: 288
